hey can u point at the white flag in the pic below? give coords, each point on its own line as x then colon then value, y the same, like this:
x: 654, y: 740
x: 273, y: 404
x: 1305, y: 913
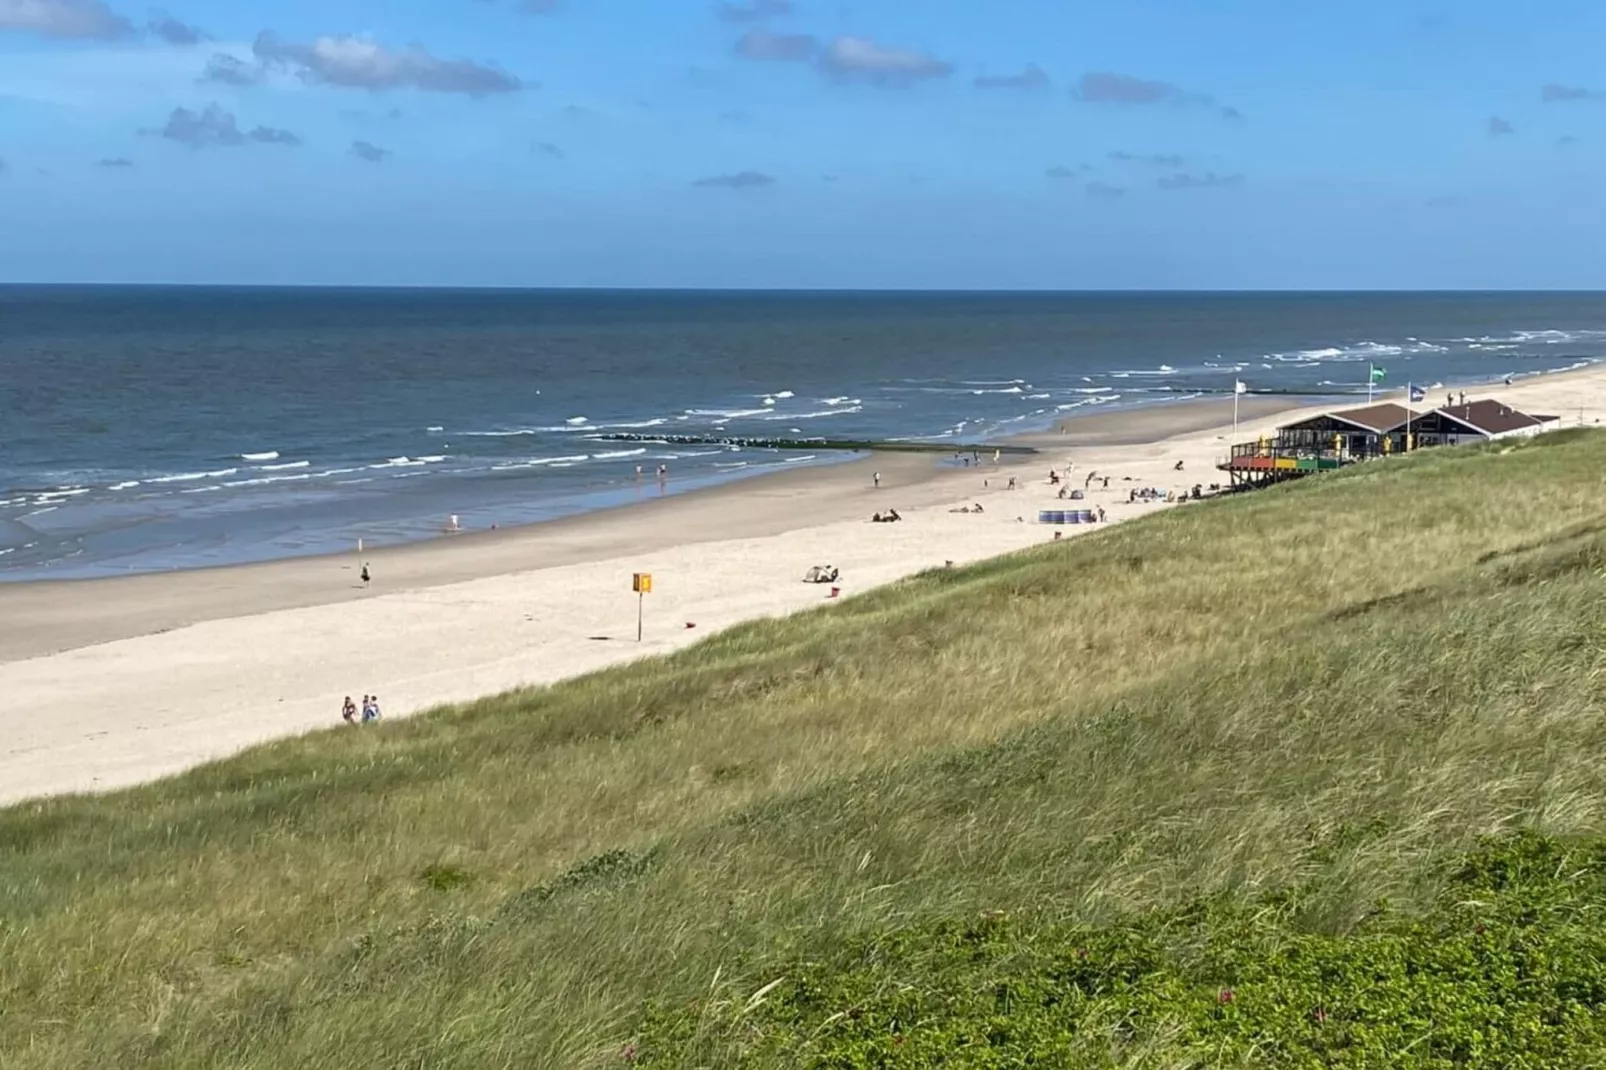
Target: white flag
x: 1240, y: 387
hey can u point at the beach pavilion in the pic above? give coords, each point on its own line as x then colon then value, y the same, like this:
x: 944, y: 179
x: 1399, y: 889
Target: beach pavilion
x: 1330, y: 440
x: 1478, y: 421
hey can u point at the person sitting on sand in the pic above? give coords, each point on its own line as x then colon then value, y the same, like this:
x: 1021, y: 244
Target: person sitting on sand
x: 1101, y: 514
x: 877, y: 519
x: 976, y: 508
x: 1053, y: 478
x: 348, y: 711
x: 1179, y: 466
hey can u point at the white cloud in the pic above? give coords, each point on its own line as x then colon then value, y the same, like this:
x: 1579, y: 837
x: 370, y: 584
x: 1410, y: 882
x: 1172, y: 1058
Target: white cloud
x: 361, y: 63
x: 863, y: 59
x: 67, y: 19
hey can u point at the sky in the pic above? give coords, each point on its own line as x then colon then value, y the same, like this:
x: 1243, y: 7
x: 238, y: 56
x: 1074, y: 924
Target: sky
x: 837, y: 144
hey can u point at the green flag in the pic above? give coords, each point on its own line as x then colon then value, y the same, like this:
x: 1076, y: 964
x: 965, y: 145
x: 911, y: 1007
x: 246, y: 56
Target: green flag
x: 1377, y: 373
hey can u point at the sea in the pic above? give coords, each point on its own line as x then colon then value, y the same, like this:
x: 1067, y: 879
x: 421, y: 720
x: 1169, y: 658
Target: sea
x: 156, y: 428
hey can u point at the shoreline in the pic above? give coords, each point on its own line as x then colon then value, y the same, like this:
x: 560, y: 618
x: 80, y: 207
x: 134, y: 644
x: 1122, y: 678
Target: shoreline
x: 117, y: 681
x: 161, y: 601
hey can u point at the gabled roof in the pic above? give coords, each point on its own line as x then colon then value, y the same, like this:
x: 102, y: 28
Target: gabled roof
x: 1489, y: 416
x: 1379, y: 418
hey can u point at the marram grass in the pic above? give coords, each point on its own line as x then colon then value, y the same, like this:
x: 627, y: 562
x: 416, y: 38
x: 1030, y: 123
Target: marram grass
x: 1281, y: 724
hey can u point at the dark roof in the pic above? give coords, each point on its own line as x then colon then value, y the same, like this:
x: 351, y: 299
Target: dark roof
x: 1380, y: 418
x: 1490, y: 416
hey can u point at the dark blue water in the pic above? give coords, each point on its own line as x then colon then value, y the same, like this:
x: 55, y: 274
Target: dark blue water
x: 154, y: 428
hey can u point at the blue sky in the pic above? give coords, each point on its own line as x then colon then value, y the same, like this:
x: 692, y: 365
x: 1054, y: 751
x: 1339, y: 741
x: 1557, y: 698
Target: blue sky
x: 816, y: 143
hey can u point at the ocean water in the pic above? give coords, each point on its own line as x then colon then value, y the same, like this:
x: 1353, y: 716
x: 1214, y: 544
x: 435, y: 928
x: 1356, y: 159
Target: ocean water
x: 157, y: 428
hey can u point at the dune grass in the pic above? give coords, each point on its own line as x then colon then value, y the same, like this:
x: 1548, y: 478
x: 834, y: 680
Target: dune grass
x: 1332, y: 688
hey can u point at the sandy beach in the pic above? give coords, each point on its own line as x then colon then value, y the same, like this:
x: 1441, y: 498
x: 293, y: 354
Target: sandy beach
x: 105, y: 683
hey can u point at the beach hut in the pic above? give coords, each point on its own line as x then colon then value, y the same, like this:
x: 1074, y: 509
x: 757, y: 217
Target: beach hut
x: 1330, y: 440
x: 1478, y: 421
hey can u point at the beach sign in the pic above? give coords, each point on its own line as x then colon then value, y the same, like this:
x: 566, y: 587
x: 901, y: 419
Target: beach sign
x: 641, y: 583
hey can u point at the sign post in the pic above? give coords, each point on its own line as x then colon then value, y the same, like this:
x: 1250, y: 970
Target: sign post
x: 641, y: 583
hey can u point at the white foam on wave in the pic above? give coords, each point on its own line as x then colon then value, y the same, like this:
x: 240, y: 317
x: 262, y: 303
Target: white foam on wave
x: 820, y: 415
x: 614, y: 455
x: 434, y: 429
x: 124, y: 485
x: 1038, y: 397
x: 270, y: 455
x: 41, y: 512
x: 576, y: 421
x: 283, y: 467
x: 634, y: 426
x: 188, y: 477
x: 843, y: 401
x: 540, y: 461
x: 399, y: 462
x: 1005, y: 390
x: 261, y: 481
x: 727, y: 414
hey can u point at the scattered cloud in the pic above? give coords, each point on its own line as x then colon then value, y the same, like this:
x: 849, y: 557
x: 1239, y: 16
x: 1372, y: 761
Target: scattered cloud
x: 1154, y: 159
x: 546, y: 148
x: 231, y: 70
x: 1065, y: 172
x: 173, y: 31
x: 736, y: 117
x: 828, y: 178
x: 577, y: 111
x: 65, y: 19
x: 213, y: 127
x: 739, y: 180
x: 1208, y: 180
x: 1107, y: 87
x: 1566, y: 141
x: 267, y: 135
x: 1444, y: 201
x: 754, y: 10
x: 1104, y: 189
x: 861, y: 59
x: 361, y: 63
x: 365, y: 150
x: 216, y: 127
x: 1033, y: 77
x: 1498, y: 127
x: 201, y: 129
x: 115, y: 161
x: 1562, y: 94
x: 777, y: 47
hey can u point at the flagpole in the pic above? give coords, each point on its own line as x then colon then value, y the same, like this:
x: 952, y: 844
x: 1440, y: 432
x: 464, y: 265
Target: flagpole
x: 1369, y: 382
x: 1235, y: 393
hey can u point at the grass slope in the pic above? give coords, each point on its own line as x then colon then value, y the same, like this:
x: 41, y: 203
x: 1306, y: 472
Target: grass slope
x: 1291, y: 707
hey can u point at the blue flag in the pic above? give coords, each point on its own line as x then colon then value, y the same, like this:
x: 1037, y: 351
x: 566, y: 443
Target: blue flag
x: 1418, y: 394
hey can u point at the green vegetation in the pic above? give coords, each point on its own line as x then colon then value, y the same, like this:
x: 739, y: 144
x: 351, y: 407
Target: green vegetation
x: 1314, y: 777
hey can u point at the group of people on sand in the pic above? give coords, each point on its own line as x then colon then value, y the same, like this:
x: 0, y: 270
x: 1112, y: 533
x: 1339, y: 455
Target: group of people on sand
x: 889, y: 517
x: 975, y: 508
x: 370, y: 709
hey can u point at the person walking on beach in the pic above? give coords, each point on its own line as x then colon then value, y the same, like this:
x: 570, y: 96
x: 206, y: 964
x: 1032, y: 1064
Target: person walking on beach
x: 877, y: 479
x: 348, y: 711
x: 370, y: 708
x: 366, y: 576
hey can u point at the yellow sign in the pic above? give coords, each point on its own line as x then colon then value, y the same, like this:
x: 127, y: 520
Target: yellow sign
x: 641, y: 583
